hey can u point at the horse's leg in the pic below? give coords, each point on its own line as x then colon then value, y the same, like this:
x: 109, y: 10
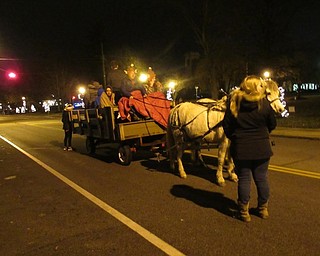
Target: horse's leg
x: 222, y: 150
x: 196, y: 155
x: 180, y: 150
x: 198, y: 150
x: 172, y: 159
x: 230, y: 167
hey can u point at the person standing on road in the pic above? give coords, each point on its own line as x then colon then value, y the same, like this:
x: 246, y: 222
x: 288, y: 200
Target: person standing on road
x: 247, y: 123
x: 67, y: 127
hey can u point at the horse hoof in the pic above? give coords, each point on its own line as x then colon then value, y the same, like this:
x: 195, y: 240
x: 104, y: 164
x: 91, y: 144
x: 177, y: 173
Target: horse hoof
x: 183, y: 176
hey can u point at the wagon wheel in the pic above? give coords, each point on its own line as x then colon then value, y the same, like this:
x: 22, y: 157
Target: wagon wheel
x: 124, y: 155
x: 90, y: 145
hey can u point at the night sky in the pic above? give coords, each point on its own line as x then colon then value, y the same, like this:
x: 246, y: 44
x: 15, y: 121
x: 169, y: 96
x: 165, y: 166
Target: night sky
x: 39, y: 29
x: 65, y: 31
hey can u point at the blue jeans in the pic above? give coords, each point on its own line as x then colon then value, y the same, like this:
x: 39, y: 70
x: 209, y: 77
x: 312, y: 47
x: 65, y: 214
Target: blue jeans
x: 258, y: 169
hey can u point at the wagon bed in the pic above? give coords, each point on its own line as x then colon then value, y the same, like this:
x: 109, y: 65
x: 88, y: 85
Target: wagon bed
x: 101, y: 127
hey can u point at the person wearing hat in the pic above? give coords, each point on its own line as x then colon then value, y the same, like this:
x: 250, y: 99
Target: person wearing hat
x: 67, y: 127
x: 248, y: 121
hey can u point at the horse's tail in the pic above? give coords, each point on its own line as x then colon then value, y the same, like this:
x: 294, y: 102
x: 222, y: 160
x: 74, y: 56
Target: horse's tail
x: 169, y: 135
x: 170, y: 142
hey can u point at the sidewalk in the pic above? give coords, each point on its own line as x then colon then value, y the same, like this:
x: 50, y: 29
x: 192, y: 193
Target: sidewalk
x: 313, y: 134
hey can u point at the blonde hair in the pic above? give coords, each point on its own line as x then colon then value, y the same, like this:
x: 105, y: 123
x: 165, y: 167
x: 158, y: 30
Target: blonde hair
x: 251, y: 89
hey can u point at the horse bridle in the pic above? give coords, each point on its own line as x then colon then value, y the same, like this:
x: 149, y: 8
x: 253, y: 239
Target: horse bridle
x: 271, y: 101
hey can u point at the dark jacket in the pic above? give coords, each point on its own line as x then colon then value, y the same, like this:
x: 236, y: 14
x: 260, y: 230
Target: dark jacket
x: 129, y: 86
x: 249, y: 132
x: 114, y: 79
x: 97, y: 101
x: 66, y: 120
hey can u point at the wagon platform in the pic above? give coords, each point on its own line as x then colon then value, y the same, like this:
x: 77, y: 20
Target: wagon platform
x: 100, y: 126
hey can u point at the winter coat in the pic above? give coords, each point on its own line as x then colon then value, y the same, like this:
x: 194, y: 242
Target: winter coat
x: 249, y: 132
x: 115, y: 78
x: 129, y: 86
x: 66, y: 120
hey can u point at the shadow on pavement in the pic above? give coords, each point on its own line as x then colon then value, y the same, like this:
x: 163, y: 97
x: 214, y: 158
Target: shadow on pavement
x: 207, y: 199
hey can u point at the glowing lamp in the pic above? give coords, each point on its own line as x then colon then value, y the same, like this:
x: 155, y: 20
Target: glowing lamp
x: 12, y: 75
x: 82, y: 90
x: 172, y: 85
x: 266, y: 75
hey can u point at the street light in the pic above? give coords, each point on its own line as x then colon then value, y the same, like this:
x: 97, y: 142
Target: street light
x: 82, y: 90
x: 172, y: 85
x: 266, y: 75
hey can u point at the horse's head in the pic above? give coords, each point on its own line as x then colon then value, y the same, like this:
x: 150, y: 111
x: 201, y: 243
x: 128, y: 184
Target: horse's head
x: 273, y: 96
x: 254, y: 88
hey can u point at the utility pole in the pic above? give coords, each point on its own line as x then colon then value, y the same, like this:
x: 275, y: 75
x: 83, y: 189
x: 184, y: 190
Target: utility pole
x: 103, y: 67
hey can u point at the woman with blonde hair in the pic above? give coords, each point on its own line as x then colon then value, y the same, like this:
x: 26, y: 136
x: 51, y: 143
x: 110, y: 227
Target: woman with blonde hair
x: 247, y: 123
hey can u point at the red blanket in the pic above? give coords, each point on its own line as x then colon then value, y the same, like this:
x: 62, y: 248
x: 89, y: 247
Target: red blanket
x: 155, y: 105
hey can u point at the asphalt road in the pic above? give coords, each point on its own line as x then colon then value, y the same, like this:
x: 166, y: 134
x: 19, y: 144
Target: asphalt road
x: 68, y: 203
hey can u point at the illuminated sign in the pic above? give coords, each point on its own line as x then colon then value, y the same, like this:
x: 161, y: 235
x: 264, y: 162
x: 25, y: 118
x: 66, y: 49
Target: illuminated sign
x: 306, y: 86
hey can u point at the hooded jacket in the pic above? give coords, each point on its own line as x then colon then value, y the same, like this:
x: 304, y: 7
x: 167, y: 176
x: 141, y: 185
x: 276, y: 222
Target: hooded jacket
x: 249, y: 131
x: 66, y: 118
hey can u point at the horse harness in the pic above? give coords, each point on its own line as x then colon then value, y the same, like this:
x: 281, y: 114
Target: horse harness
x: 210, y: 107
x: 271, y: 101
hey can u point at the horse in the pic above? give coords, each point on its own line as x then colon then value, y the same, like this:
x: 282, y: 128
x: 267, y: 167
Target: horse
x: 272, y: 93
x: 191, y: 124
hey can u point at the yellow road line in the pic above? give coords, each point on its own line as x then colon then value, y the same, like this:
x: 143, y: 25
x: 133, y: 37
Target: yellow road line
x: 295, y: 171
x: 275, y: 168
x: 153, y: 239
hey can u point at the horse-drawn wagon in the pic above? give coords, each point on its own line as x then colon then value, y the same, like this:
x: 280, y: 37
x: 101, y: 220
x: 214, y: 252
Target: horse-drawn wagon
x: 100, y: 127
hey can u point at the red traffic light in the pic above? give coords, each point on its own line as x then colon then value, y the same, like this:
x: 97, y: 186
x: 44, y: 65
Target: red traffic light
x: 12, y: 75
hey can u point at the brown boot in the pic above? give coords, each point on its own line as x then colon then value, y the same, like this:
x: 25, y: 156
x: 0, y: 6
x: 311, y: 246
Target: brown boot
x: 244, y: 212
x: 263, y: 211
